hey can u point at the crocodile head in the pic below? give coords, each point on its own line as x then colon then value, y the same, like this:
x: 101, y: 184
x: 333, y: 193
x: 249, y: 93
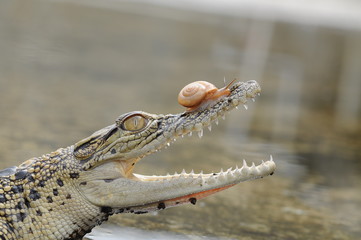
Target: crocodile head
x: 108, y: 157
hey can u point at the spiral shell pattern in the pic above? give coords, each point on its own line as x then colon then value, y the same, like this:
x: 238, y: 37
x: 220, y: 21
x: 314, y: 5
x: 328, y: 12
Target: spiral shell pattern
x: 195, y: 93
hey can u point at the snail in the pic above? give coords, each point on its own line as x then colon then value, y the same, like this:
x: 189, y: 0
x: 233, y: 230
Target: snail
x: 200, y: 93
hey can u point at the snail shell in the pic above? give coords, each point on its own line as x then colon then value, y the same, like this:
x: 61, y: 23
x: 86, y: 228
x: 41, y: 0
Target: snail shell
x: 198, y: 93
x: 195, y: 93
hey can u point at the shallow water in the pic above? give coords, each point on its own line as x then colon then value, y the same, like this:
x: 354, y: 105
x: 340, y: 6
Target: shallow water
x: 67, y: 70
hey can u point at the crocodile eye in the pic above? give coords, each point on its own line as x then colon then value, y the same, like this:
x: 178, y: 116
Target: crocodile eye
x: 134, y: 123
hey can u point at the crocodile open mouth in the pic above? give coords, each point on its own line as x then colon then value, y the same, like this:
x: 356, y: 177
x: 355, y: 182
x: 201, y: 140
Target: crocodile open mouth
x: 140, y: 193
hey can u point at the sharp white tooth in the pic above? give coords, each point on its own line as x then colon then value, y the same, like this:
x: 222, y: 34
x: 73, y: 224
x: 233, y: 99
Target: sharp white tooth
x: 190, y: 134
x: 271, y: 158
x: 244, y: 163
x: 236, y: 168
x: 183, y: 172
x: 216, y: 121
x: 200, y: 133
x: 210, y: 127
x: 259, y: 94
x: 245, y: 106
x: 253, y: 99
x: 237, y: 107
x: 229, y: 170
x: 168, y: 144
x: 253, y: 167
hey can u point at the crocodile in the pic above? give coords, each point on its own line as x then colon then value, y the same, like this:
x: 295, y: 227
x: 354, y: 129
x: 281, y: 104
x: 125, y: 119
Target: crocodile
x: 64, y: 194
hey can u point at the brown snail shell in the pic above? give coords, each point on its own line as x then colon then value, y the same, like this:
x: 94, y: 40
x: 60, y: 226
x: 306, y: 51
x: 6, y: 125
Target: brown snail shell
x: 198, y: 93
x: 194, y: 93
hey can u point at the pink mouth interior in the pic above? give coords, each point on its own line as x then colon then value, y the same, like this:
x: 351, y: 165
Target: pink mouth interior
x: 192, y: 198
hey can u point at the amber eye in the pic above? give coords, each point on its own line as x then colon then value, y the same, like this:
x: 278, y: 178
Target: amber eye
x: 134, y: 123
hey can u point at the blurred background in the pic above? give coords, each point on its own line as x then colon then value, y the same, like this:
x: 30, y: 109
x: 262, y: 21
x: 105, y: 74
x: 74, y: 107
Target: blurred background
x: 69, y: 68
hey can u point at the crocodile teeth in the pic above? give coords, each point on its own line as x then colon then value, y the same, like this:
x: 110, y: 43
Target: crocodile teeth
x: 245, y: 106
x: 253, y: 170
x: 244, y: 163
x: 200, y: 133
x: 210, y: 127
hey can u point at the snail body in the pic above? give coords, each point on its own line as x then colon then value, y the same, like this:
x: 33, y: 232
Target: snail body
x: 201, y: 93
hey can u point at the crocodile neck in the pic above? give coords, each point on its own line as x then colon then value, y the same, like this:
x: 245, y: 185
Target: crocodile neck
x: 43, y: 193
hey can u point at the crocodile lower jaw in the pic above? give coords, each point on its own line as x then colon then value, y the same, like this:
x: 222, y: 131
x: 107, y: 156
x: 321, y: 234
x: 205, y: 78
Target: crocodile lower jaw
x: 145, y: 193
x: 192, y: 187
